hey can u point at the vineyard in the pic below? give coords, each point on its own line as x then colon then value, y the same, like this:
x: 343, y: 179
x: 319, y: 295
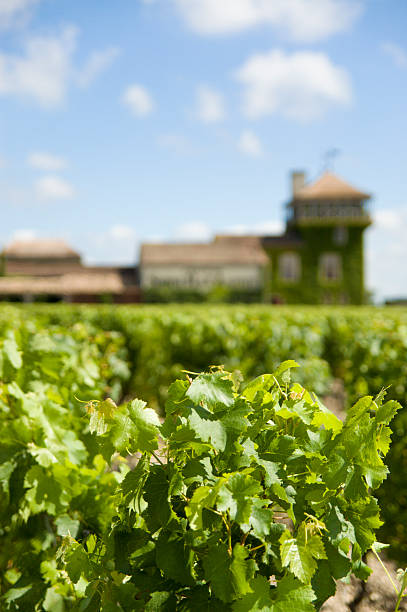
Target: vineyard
x: 176, y: 458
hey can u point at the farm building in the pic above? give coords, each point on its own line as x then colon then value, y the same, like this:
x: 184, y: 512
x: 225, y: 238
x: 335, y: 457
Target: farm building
x: 49, y: 270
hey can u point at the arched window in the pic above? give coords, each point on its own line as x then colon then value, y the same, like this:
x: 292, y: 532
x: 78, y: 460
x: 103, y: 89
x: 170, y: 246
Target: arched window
x: 289, y: 267
x: 330, y: 267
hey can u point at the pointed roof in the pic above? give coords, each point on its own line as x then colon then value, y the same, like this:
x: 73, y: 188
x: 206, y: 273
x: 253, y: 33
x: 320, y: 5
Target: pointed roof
x: 330, y: 186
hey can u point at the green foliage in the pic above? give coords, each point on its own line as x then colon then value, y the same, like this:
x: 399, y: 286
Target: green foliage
x: 162, y: 341
x: 247, y: 497
x: 364, y: 347
x: 367, y: 349
x: 217, y: 294
x: 257, y: 499
x: 166, y: 340
x: 50, y: 476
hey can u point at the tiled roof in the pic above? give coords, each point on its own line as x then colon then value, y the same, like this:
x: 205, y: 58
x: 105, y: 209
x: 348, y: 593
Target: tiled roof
x: 38, y: 249
x: 66, y: 284
x: 215, y: 253
x: 330, y: 186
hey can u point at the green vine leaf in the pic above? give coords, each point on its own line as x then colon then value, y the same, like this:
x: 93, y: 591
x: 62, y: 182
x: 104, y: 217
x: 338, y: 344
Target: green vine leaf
x: 211, y: 390
x: 299, y: 554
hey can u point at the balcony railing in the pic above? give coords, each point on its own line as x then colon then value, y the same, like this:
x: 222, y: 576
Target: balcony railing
x: 327, y: 213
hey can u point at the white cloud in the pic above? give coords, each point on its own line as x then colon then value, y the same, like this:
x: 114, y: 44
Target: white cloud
x: 24, y: 234
x: 387, y: 219
x: 200, y: 231
x: 13, y: 12
x: 53, y: 188
x: 387, y: 252
x: 46, y: 161
x: 122, y: 232
x: 263, y: 228
x: 301, y: 20
x: 269, y: 228
x: 116, y: 245
x: 139, y: 100
x: 155, y: 238
x: 44, y: 70
x: 210, y: 106
x: 300, y: 86
x: 396, y: 53
x: 193, y: 231
x: 98, y: 62
x: 250, y: 144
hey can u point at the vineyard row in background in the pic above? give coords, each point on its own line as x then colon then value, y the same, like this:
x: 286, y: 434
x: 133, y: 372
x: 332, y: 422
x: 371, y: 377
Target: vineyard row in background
x: 55, y: 359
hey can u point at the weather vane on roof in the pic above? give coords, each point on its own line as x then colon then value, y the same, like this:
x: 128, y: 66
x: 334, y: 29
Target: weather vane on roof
x: 329, y: 158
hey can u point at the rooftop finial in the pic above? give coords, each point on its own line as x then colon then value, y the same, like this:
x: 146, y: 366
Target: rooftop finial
x: 329, y: 159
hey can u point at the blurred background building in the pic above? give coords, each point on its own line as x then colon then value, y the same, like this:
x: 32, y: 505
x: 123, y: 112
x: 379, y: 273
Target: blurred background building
x: 49, y: 270
x: 318, y: 259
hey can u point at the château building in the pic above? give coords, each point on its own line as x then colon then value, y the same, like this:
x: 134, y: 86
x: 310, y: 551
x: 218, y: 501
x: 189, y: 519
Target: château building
x: 320, y: 257
x: 318, y: 260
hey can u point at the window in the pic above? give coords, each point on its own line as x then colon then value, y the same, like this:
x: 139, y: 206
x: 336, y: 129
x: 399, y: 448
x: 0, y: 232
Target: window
x: 340, y: 235
x: 330, y: 267
x: 289, y: 267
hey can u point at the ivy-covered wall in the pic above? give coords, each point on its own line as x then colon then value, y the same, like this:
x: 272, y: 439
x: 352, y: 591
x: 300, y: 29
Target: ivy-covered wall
x: 310, y: 288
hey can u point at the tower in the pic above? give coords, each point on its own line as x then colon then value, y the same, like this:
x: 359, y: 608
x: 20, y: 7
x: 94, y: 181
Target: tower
x: 320, y: 257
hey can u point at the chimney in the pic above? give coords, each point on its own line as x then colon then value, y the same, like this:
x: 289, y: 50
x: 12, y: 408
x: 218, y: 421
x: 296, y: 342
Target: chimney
x: 297, y: 181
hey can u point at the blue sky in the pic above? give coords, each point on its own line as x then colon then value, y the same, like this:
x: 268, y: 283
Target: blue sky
x: 128, y: 121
